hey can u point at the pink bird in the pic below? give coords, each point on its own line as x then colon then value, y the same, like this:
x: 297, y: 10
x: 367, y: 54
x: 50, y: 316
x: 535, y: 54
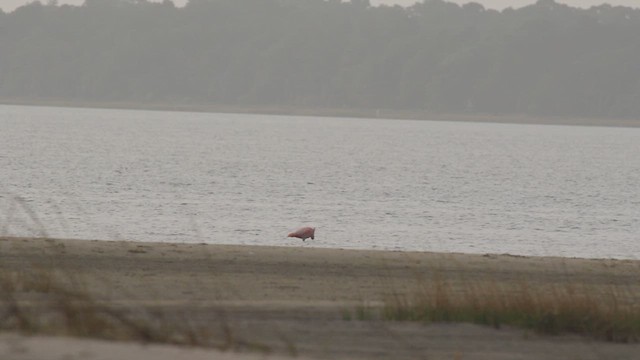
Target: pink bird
x: 303, y: 233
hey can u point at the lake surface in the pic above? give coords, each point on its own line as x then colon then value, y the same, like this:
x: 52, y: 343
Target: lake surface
x: 364, y: 183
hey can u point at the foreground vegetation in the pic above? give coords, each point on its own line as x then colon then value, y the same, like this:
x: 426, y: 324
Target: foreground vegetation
x: 546, y: 59
x: 47, y: 301
x: 42, y: 291
x: 607, y: 314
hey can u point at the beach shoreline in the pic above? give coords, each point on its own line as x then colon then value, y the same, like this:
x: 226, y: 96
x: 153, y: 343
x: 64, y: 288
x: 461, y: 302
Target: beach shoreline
x: 387, y: 114
x: 312, y: 296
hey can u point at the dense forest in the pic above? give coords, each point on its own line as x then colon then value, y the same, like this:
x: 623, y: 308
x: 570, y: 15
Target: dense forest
x: 545, y: 59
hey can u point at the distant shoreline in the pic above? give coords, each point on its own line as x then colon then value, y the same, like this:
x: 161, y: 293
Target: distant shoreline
x: 333, y: 112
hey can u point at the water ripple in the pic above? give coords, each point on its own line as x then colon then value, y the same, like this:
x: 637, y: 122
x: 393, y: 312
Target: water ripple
x: 375, y: 184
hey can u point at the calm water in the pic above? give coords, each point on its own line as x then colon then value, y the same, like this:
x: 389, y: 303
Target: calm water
x: 374, y: 184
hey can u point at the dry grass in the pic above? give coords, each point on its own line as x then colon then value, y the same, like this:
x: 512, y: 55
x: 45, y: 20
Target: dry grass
x: 43, y: 299
x: 47, y: 301
x: 609, y: 313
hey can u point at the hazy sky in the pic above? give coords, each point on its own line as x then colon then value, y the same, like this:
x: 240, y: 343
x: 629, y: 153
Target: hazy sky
x: 9, y: 5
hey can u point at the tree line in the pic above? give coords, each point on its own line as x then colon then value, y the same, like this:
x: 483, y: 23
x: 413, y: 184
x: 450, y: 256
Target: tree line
x: 546, y: 59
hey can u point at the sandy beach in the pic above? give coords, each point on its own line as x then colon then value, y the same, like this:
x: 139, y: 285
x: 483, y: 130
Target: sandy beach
x: 304, y: 301
x: 335, y: 112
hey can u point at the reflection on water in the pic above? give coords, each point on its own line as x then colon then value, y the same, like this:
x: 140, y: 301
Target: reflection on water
x: 364, y: 183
